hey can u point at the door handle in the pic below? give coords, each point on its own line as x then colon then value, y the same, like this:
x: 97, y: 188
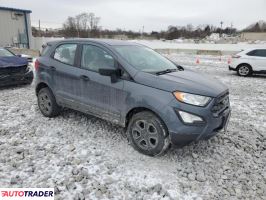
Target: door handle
x: 85, y: 78
x: 52, y: 68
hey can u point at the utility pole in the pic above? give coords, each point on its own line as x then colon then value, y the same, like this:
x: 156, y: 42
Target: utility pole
x: 231, y: 28
x: 221, y: 28
x: 39, y: 27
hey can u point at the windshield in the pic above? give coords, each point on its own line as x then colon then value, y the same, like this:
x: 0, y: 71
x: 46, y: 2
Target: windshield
x: 5, y: 53
x: 144, y: 59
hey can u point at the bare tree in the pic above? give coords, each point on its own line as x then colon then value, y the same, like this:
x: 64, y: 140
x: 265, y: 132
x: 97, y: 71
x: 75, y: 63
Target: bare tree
x: 70, y: 27
x: 82, y: 25
x: 93, y: 21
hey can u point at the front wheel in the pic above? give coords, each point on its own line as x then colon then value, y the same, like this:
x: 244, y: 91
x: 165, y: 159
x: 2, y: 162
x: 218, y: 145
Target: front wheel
x: 148, y: 134
x: 244, y: 70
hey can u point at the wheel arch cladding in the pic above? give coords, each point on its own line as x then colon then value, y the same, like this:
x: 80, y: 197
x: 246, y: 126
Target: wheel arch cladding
x: 40, y: 86
x: 136, y: 110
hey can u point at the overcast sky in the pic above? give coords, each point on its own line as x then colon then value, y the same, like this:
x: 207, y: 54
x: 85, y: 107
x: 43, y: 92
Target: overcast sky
x: 152, y: 14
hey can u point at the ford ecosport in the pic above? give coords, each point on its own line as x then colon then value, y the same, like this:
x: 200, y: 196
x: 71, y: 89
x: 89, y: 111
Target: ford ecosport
x: 157, y: 101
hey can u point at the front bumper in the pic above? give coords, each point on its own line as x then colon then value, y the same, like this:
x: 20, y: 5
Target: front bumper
x: 181, y: 133
x: 16, y: 79
x: 210, y: 129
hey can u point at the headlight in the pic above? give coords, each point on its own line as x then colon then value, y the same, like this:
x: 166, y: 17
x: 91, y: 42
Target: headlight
x: 192, y: 99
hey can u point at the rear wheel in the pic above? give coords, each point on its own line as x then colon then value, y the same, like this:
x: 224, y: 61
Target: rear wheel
x: 244, y: 70
x: 47, y: 103
x: 148, y: 134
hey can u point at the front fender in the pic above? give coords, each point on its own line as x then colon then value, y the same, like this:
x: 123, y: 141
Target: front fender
x: 141, y: 96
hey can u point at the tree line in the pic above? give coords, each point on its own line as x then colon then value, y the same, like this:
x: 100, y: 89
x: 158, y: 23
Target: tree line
x: 199, y: 32
x: 86, y: 25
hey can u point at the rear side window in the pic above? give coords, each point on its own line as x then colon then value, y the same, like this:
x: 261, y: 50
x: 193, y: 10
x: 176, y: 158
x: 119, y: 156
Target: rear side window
x: 93, y: 58
x: 258, y: 52
x: 65, y: 53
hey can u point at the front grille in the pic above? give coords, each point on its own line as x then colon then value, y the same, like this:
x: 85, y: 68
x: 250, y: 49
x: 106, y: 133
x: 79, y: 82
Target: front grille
x: 221, y: 104
x: 13, y: 70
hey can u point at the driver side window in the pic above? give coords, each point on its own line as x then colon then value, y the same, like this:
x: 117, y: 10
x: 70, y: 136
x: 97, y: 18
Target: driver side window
x: 94, y: 58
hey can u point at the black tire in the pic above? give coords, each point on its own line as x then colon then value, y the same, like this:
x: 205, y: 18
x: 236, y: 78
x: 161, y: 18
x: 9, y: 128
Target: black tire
x: 47, y: 103
x: 147, y: 134
x: 244, y: 70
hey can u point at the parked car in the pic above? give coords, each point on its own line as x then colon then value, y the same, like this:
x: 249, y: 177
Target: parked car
x: 158, y: 102
x: 249, y: 61
x: 28, y: 57
x: 14, y: 70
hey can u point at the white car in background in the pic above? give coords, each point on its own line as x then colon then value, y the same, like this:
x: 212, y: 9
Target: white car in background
x: 249, y: 61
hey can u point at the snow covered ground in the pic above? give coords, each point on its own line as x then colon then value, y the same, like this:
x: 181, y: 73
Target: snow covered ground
x: 87, y: 158
x: 157, y: 44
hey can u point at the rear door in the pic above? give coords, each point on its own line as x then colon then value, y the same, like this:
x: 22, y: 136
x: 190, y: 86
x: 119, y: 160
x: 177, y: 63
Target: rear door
x: 258, y: 59
x: 64, y: 70
x: 99, y: 96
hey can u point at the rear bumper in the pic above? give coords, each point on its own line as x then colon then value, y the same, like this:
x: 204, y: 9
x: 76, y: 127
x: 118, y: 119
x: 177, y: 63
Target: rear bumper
x: 231, y: 68
x: 16, y: 79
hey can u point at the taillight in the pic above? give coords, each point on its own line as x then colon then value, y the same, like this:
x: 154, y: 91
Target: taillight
x: 229, y: 61
x: 36, y: 65
x: 236, y: 56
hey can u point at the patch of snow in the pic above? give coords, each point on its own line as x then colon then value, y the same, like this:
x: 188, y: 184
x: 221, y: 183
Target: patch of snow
x: 157, y: 44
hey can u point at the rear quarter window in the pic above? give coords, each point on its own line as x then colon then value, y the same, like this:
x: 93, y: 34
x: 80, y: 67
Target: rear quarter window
x: 65, y: 53
x: 251, y: 53
x: 258, y: 52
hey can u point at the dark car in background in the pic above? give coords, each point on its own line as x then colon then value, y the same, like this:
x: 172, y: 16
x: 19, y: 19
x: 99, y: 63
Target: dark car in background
x: 157, y: 101
x: 14, y: 70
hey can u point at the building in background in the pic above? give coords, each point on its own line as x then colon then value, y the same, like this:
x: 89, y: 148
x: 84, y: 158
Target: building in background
x: 253, y: 36
x: 15, y: 27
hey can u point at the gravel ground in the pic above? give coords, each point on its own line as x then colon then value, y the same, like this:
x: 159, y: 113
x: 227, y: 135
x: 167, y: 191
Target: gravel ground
x: 87, y: 158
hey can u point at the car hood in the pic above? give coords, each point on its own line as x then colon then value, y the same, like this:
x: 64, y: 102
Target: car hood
x: 12, y: 61
x: 185, y: 81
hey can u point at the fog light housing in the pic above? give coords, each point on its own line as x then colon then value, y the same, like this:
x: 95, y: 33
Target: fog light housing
x: 189, y: 118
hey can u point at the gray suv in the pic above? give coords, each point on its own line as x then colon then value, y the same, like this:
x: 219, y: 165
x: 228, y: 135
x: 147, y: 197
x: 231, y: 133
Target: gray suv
x: 157, y: 101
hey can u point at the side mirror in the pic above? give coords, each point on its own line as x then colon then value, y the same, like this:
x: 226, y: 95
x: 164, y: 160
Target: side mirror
x: 113, y: 73
x: 19, y: 55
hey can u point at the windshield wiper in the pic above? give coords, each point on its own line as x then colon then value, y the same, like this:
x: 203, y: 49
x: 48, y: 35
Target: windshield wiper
x: 166, y: 71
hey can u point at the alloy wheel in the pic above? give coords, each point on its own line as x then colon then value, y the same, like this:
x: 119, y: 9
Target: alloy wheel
x: 45, y: 103
x: 244, y: 70
x: 145, y: 135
